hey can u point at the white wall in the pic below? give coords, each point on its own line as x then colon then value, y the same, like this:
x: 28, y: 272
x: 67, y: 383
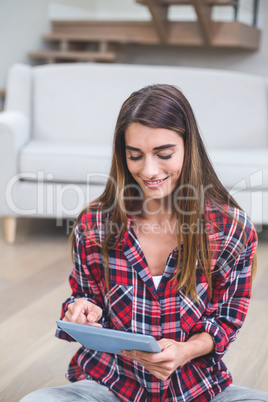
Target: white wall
x: 23, y: 22
x: 98, y: 9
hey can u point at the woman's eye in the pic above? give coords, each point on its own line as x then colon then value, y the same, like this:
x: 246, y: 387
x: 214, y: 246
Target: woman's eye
x: 135, y: 158
x: 165, y: 156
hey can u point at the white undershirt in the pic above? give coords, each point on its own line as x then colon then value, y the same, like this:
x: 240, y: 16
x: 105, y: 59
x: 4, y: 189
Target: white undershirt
x: 157, y: 280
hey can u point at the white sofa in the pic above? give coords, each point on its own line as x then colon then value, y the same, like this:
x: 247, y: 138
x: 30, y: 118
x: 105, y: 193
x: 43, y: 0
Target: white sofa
x: 57, y: 127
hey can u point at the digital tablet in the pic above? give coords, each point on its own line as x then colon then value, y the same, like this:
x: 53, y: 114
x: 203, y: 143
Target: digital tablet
x: 108, y: 340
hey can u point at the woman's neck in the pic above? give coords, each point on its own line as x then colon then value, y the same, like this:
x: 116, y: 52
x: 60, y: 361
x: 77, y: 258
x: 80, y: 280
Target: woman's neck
x: 155, y: 210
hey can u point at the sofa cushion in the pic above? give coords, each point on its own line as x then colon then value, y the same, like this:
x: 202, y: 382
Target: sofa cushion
x: 241, y: 169
x: 19, y: 90
x: 65, y: 162
x: 81, y: 101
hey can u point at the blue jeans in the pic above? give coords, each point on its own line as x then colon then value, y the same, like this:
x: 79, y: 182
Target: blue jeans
x: 91, y: 391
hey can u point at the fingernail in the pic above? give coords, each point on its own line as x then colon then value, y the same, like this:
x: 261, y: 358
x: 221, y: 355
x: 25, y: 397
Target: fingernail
x: 91, y: 318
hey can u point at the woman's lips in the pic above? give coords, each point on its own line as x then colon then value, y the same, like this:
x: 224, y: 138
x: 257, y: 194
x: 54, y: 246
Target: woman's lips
x: 154, y: 183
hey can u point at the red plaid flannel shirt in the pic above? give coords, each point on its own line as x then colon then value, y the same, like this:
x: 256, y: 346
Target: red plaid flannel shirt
x: 136, y: 306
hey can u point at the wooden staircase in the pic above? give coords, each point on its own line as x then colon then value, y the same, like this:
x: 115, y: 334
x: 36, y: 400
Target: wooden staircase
x: 77, y: 38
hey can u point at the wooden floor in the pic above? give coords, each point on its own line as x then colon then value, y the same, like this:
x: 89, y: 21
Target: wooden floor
x: 34, y: 283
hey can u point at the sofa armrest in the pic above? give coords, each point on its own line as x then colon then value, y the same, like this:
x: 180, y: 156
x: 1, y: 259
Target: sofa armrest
x: 14, y: 133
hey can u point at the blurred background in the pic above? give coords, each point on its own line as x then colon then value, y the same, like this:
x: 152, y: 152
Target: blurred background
x: 35, y: 259
x: 24, y: 23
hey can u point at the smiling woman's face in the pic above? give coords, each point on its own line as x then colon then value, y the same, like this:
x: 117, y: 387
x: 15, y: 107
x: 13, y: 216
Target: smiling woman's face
x: 154, y: 158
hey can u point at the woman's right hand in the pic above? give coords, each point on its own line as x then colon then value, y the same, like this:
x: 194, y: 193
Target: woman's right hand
x: 83, y: 312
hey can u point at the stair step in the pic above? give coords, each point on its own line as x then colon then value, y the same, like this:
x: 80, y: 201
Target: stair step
x: 73, y: 55
x: 180, y: 33
x: 189, y: 2
x: 57, y: 37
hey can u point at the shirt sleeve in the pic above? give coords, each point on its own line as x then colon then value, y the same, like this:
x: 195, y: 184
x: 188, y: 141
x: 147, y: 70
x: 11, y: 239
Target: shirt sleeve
x: 231, y: 294
x: 85, y: 281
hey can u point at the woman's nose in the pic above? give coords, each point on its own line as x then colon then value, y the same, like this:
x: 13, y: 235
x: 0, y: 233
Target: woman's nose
x: 150, y: 168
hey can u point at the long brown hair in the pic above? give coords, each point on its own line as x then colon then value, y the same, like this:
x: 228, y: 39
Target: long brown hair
x: 164, y: 106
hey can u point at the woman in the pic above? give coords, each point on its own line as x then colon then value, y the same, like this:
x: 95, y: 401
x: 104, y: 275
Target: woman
x: 164, y: 251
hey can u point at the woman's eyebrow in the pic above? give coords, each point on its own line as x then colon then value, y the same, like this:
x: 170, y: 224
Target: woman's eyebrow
x: 155, y: 149
x: 164, y: 147
x: 132, y: 148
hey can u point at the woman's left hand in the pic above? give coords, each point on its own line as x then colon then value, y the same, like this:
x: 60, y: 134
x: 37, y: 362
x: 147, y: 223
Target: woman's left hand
x: 162, y: 364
